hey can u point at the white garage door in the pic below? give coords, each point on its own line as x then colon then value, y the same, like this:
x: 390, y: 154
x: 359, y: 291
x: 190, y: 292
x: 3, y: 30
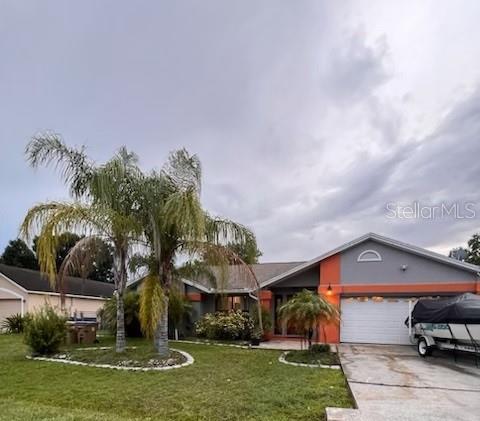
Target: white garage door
x: 374, y: 321
x: 8, y: 308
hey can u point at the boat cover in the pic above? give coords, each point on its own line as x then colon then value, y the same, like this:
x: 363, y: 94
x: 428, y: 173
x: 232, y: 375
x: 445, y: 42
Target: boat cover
x: 462, y: 309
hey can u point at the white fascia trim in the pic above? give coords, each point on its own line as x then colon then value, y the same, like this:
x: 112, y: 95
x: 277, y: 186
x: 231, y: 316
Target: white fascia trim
x: 424, y: 252
x: 15, y: 294
x: 13, y: 282
x: 216, y: 290
x: 56, y: 294
x: 234, y: 291
x: 198, y: 286
x: 385, y: 240
x: 312, y: 262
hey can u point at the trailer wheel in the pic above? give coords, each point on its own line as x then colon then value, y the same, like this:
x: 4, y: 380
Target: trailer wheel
x: 423, y: 349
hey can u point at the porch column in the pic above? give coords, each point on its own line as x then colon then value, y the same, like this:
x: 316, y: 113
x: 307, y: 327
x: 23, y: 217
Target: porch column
x: 330, y: 276
x: 266, y: 299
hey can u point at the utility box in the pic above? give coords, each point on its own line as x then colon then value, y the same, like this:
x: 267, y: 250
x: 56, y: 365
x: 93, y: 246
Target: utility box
x: 81, y: 332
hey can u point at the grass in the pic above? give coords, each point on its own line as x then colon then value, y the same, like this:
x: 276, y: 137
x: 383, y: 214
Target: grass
x: 224, y: 383
x: 312, y: 357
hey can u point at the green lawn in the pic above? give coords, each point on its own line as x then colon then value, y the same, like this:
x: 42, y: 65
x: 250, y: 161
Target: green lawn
x: 309, y: 357
x: 224, y: 383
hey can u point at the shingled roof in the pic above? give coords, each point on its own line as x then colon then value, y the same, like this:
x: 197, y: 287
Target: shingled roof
x: 238, y: 277
x: 32, y: 280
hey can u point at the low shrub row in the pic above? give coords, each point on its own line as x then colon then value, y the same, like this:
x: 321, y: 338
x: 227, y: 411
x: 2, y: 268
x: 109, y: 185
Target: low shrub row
x: 232, y: 325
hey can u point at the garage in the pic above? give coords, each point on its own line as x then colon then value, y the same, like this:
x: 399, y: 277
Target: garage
x: 9, y: 307
x: 374, y: 320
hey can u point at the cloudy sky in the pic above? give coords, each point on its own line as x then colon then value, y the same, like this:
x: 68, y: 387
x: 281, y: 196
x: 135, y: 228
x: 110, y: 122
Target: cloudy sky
x: 309, y: 117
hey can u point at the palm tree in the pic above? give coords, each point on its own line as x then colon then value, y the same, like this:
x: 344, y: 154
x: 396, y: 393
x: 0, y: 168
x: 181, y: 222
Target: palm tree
x: 102, y: 209
x: 177, y: 226
x: 305, y: 310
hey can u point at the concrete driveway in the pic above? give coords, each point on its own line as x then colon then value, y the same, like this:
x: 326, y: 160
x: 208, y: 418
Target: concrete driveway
x: 392, y: 382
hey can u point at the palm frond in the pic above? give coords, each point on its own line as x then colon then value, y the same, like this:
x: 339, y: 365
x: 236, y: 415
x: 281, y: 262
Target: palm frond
x: 184, y: 212
x: 223, y: 230
x: 113, y: 183
x: 52, y: 219
x: 183, y: 171
x: 306, y: 309
x: 152, y: 304
x: 196, y: 270
x: 48, y: 148
x: 80, y: 258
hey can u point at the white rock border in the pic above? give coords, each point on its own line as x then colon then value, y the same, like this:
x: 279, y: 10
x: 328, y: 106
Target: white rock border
x: 190, y: 360
x: 215, y: 344
x: 284, y: 361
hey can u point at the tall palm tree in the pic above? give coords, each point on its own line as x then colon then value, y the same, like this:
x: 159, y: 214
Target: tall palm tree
x: 305, y: 310
x: 103, y: 208
x: 176, y: 226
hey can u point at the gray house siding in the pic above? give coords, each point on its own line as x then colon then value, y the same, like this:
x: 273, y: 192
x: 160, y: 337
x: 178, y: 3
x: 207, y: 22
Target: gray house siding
x: 309, y: 278
x: 419, y: 269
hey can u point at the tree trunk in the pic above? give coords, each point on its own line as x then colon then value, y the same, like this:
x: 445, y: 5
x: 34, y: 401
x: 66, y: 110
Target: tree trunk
x: 160, y: 339
x: 120, y: 338
x: 120, y: 277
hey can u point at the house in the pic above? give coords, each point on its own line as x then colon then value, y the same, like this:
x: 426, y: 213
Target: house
x: 373, y: 279
x: 25, y: 290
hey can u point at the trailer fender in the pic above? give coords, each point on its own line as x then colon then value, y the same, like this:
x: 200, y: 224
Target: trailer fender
x: 428, y: 339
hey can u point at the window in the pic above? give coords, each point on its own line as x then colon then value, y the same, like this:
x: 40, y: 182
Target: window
x: 369, y: 256
x: 231, y: 302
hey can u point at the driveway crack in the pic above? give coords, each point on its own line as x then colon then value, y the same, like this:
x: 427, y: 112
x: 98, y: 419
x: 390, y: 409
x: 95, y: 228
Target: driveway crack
x: 414, y: 387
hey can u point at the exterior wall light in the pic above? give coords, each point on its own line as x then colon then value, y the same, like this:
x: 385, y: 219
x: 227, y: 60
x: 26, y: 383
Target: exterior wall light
x: 404, y: 267
x: 329, y: 289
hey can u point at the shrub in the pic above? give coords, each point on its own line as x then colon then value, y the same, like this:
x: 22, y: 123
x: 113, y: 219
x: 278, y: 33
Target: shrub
x: 131, y: 305
x: 266, y: 319
x: 320, y: 348
x: 14, y: 323
x: 45, y: 331
x: 230, y: 325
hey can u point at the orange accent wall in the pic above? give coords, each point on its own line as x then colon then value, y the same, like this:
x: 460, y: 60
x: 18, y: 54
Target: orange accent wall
x: 265, y: 294
x: 194, y: 296
x: 330, y: 275
x: 266, y: 299
x: 330, y: 270
x: 430, y: 288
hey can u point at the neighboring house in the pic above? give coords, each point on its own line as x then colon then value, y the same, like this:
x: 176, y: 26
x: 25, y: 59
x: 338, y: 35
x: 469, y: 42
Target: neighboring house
x: 25, y: 290
x: 373, y: 279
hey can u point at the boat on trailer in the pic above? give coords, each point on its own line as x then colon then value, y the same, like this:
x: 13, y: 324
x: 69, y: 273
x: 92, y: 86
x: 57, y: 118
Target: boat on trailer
x: 450, y: 324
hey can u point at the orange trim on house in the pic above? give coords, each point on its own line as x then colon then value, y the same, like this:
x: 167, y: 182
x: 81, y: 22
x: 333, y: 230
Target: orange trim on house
x: 439, y: 287
x: 330, y: 270
x: 330, y: 275
x: 265, y: 294
x: 194, y: 296
x: 266, y: 299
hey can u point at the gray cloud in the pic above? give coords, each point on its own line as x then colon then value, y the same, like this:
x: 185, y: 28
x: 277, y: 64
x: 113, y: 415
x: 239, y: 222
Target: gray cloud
x: 307, y: 117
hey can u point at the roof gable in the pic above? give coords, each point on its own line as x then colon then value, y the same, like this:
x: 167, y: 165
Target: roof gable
x: 240, y: 280
x: 380, y: 239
